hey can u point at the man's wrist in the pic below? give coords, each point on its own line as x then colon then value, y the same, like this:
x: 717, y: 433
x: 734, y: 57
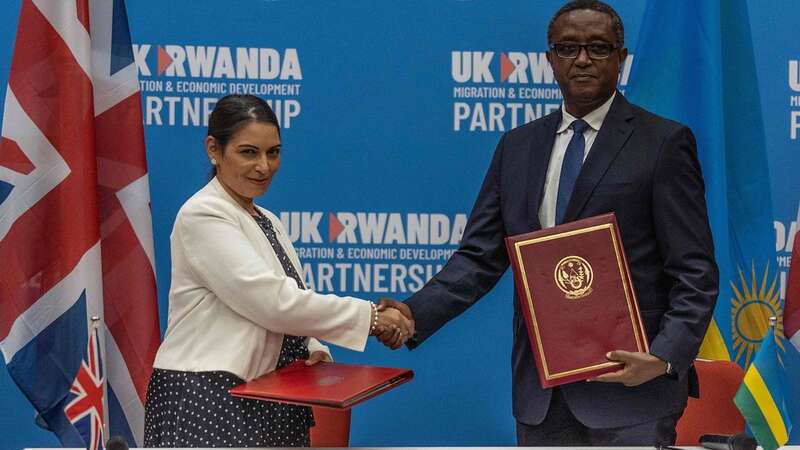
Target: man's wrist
x: 669, y: 369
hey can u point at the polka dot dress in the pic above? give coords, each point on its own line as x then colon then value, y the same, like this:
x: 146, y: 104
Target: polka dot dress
x: 194, y: 409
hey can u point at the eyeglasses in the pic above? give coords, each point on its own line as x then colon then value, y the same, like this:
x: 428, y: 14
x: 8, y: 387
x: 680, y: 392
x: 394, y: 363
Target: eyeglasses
x: 571, y: 50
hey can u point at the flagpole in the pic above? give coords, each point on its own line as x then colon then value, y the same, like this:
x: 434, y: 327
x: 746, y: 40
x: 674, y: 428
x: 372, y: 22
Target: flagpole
x: 96, y: 322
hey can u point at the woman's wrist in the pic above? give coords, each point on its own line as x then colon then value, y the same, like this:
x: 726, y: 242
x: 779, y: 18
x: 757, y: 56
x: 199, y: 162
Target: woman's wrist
x: 373, y: 326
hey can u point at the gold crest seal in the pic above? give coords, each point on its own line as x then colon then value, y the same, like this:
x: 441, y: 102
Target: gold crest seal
x: 574, y: 276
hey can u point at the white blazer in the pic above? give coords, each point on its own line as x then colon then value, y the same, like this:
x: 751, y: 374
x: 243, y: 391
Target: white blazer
x: 230, y: 302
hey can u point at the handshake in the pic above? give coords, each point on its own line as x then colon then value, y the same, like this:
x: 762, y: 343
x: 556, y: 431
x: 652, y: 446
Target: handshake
x: 394, y: 323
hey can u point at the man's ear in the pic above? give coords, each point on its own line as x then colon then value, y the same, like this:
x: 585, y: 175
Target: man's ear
x: 623, y: 56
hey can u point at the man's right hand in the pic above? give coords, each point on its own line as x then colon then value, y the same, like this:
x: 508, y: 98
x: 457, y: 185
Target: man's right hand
x: 394, y: 338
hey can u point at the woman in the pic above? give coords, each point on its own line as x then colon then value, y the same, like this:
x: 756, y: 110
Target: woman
x: 237, y: 305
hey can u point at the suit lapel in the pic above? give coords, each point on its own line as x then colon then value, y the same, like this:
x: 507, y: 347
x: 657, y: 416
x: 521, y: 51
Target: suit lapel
x: 541, y: 149
x: 613, y: 134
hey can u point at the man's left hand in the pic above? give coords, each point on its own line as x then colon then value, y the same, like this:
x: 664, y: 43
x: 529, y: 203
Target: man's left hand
x: 639, y: 368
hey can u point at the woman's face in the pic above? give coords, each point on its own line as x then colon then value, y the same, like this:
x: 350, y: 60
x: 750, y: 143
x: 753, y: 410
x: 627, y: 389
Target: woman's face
x: 249, y: 161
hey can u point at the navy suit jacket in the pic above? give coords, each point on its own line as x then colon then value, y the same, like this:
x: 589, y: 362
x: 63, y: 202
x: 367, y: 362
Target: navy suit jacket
x: 645, y: 169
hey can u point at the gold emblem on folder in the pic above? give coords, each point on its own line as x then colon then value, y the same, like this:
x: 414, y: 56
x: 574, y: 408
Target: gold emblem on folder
x: 574, y: 276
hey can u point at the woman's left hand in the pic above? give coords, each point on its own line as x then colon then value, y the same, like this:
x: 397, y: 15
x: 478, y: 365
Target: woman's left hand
x: 317, y: 357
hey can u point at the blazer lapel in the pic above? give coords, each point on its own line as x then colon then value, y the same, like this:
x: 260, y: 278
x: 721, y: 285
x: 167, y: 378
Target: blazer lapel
x: 541, y: 148
x: 250, y: 228
x: 613, y: 134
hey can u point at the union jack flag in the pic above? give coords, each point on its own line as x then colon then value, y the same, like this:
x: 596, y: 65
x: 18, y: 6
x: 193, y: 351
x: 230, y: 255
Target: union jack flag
x: 75, y: 222
x: 88, y: 390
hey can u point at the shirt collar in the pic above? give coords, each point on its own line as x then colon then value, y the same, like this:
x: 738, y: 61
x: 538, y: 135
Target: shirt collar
x: 594, y: 119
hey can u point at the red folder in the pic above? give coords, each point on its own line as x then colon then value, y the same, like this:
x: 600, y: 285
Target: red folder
x: 576, y: 295
x: 330, y: 385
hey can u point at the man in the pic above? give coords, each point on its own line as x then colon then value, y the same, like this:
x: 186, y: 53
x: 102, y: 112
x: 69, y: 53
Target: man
x: 598, y: 154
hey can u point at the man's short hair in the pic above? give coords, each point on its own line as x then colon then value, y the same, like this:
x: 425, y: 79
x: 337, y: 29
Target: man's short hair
x: 595, y: 5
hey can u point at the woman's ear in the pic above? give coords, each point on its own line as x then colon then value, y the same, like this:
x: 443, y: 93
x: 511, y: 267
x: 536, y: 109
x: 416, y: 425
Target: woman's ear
x: 212, y: 150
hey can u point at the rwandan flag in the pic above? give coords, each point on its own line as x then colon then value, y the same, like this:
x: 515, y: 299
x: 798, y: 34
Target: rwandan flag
x: 678, y: 72
x: 694, y: 63
x: 769, y: 398
x: 762, y: 399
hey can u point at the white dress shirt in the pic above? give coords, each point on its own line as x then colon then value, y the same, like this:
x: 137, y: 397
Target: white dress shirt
x: 230, y: 301
x: 547, y: 210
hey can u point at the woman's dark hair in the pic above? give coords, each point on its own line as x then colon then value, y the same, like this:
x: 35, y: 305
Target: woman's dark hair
x: 234, y: 112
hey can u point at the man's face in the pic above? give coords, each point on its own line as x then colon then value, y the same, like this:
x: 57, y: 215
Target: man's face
x: 585, y: 82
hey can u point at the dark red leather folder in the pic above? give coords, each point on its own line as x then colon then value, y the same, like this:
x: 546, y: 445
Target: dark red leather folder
x: 576, y: 295
x: 330, y: 385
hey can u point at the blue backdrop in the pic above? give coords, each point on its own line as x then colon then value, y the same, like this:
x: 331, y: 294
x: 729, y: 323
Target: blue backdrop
x: 391, y: 111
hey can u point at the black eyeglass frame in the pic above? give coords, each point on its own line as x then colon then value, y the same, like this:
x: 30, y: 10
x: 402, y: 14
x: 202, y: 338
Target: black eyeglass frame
x: 606, y: 45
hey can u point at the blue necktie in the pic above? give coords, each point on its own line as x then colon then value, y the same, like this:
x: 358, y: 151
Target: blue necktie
x: 570, y: 167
